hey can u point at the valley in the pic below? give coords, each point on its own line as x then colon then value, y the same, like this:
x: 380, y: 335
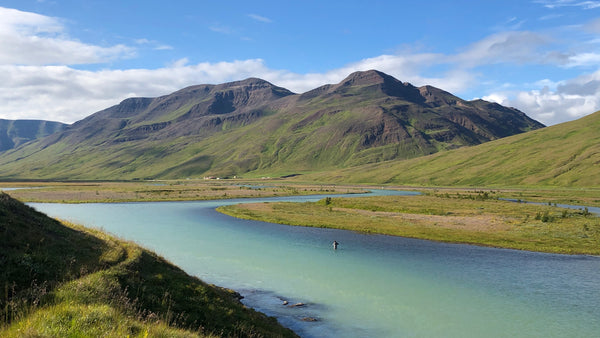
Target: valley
x: 372, y: 284
x: 299, y: 169
x: 384, y: 167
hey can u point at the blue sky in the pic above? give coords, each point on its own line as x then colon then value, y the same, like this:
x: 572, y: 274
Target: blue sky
x: 63, y: 60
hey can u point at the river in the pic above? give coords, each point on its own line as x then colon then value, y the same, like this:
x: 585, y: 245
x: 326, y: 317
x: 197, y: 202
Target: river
x: 373, y: 285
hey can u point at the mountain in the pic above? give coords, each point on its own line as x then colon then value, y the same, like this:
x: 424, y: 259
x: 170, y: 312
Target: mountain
x: 566, y: 154
x: 14, y: 133
x: 252, y: 126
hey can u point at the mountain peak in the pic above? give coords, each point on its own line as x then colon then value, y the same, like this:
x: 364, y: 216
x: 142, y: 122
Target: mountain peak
x: 251, y: 81
x: 368, y: 77
x: 254, y: 84
x: 380, y: 82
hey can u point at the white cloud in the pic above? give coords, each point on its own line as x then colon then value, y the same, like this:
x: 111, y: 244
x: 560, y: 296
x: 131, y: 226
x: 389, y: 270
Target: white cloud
x: 583, y: 59
x: 27, y: 23
x: 260, y: 18
x: 163, y: 47
x: 36, y: 81
x: 569, y: 100
x: 496, y: 97
x: 513, y: 46
x: 66, y: 94
x: 218, y: 28
x: 156, y: 45
x: 552, y: 4
x: 511, y: 24
x: 550, y: 17
x: 33, y: 39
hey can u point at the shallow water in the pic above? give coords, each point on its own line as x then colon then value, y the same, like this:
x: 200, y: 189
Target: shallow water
x: 592, y: 210
x: 373, y: 285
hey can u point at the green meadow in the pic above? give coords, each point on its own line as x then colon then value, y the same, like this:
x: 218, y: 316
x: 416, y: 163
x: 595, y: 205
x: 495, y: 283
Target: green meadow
x: 471, y: 217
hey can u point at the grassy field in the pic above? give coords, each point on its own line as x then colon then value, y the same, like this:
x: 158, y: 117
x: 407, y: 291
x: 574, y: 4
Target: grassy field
x: 185, y: 190
x: 553, y: 195
x: 473, y: 217
x: 64, y: 280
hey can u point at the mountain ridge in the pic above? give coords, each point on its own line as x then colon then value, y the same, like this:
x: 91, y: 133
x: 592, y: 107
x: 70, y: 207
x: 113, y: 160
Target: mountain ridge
x: 254, y: 126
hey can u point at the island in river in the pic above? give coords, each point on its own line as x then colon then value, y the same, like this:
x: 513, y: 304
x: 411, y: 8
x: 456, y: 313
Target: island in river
x: 476, y: 217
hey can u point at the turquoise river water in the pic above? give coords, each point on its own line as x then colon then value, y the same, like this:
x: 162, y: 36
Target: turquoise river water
x: 373, y: 285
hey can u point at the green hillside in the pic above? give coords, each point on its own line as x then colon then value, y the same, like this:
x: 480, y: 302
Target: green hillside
x: 68, y: 281
x: 252, y: 127
x: 566, y: 154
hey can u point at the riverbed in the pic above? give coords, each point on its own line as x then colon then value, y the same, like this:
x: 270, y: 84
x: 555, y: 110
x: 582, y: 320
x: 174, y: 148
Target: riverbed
x: 372, y: 285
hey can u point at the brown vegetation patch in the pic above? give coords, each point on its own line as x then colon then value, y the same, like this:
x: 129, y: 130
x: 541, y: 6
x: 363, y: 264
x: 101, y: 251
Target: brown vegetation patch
x: 488, y: 223
x: 472, y: 223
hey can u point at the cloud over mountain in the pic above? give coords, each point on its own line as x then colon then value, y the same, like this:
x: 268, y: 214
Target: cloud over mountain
x: 32, y: 39
x: 47, y: 73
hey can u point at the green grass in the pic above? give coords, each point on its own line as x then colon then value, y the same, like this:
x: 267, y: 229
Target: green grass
x: 472, y: 218
x: 66, y: 280
x: 185, y: 190
x: 564, y: 155
x: 76, y: 320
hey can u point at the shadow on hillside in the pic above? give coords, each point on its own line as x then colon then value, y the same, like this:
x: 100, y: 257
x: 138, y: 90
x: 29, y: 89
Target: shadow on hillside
x: 37, y: 253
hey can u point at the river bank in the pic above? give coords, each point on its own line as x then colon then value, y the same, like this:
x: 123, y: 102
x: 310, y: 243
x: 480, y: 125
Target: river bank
x: 61, y: 279
x: 442, y: 214
x: 373, y: 285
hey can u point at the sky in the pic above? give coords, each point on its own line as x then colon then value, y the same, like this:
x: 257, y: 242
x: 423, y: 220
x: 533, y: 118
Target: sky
x: 64, y: 60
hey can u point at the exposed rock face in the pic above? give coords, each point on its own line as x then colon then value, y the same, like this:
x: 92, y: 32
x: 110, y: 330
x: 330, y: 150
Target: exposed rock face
x: 190, y: 111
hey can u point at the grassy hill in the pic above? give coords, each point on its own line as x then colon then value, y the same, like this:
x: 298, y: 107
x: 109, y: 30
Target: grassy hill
x: 252, y: 127
x: 566, y: 154
x: 64, y: 280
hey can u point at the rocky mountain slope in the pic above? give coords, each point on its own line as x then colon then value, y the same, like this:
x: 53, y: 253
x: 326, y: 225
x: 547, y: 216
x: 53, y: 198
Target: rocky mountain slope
x: 252, y: 126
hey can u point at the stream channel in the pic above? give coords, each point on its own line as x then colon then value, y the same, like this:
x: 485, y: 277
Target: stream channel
x: 372, y: 285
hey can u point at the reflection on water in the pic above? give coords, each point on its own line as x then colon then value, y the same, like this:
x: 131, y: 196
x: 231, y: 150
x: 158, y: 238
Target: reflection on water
x: 373, y: 285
